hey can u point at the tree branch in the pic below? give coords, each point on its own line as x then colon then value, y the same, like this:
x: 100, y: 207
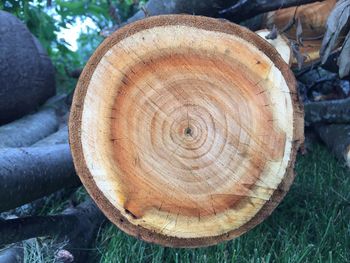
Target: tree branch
x: 337, y: 139
x: 27, y: 174
x: 29, y: 129
x: 244, y: 9
x: 329, y: 111
x: 79, y: 225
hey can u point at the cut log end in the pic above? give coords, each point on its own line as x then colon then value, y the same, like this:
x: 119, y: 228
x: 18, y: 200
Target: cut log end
x: 184, y: 129
x: 280, y: 43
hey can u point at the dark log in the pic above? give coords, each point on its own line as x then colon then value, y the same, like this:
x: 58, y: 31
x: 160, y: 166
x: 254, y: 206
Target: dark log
x: 36, y: 207
x: 337, y: 139
x: 27, y: 174
x: 330, y: 111
x: 244, y: 9
x: 79, y: 225
x: 163, y: 7
x: 26, y: 72
x: 13, y: 254
x: 18, y: 229
x: 75, y: 73
x: 195, y: 7
x: 60, y: 103
x: 29, y: 129
x: 234, y: 10
x: 59, y: 137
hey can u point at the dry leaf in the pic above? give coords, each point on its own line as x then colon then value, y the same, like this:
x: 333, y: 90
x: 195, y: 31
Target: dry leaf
x: 273, y: 33
x: 300, y: 58
x: 344, y: 58
x: 299, y: 32
x: 336, y: 22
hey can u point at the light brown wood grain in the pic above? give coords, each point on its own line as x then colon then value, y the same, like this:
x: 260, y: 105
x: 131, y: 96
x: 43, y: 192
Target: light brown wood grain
x: 184, y: 129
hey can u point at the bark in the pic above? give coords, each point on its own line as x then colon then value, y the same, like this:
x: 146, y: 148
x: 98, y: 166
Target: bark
x: 245, y: 9
x: 331, y: 111
x: 79, y: 225
x: 27, y: 174
x: 18, y: 229
x: 163, y: 7
x: 59, y: 137
x: 237, y: 11
x: 26, y: 72
x: 13, y: 254
x: 29, y: 129
x: 60, y: 103
x: 35, y: 207
x: 196, y: 7
x: 337, y: 139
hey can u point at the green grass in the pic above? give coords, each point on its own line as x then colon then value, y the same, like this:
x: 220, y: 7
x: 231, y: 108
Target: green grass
x: 312, y: 224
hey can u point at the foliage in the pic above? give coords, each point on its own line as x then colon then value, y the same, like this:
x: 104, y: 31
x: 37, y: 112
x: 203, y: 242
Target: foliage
x: 45, y: 19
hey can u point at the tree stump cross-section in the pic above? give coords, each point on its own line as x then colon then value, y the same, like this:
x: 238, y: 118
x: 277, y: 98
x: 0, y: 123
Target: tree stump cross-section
x: 184, y: 129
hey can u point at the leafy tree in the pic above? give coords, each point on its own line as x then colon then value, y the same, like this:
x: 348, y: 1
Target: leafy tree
x: 45, y: 19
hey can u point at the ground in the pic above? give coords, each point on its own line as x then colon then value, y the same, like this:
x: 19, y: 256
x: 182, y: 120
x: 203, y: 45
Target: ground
x: 312, y: 224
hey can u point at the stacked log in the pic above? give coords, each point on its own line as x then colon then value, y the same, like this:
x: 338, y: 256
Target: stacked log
x: 26, y: 72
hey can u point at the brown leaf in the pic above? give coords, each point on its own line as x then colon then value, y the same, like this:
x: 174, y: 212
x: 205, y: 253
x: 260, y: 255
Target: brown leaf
x: 145, y: 11
x: 273, y: 33
x: 336, y: 22
x: 299, y: 32
x: 344, y: 58
x: 300, y: 58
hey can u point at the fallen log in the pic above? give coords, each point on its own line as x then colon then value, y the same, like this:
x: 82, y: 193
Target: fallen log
x: 163, y: 7
x: 329, y: 111
x: 237, y: 11
x: 78, y: 225
x: 27, y: 174
x: 245, y: 9
x: 27, y: 75
x: 337, y: 138
x: 59, y: 137
x: 29, y: 129
x: 185, y: 129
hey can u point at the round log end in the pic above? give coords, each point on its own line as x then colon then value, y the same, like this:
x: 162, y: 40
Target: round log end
x: 184, y: 129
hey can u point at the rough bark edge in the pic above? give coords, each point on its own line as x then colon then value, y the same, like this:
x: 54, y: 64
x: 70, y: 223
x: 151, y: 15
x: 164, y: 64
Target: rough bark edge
x: 29, y: 129
x: 76, y: 117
